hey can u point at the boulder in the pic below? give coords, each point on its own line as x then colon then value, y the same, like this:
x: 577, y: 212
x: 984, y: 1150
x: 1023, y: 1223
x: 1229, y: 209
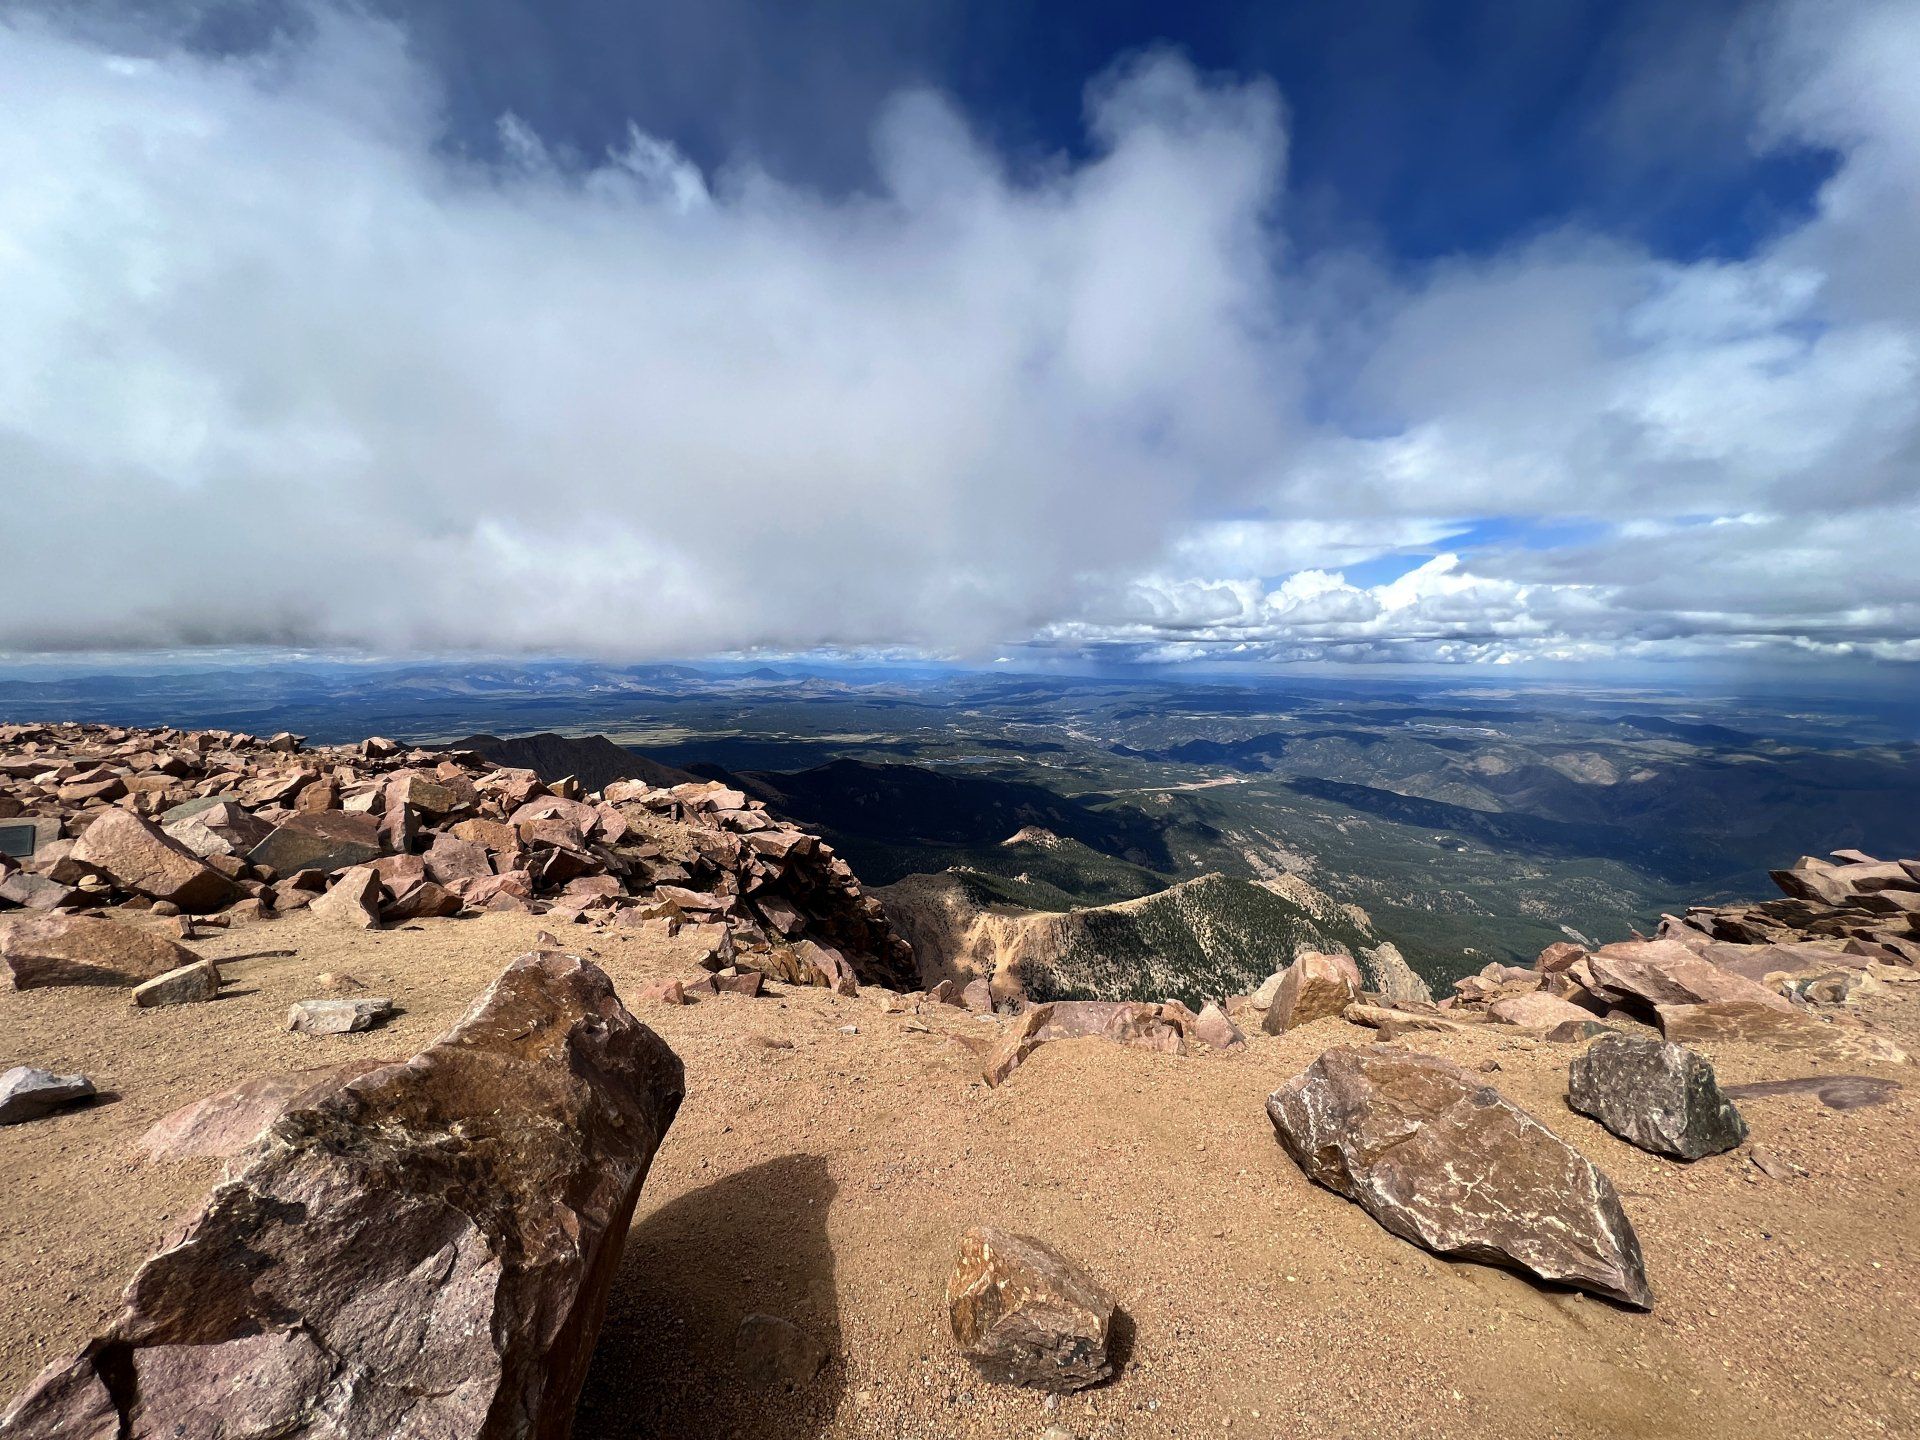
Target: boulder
x: 84, y: 950
x: 1558, y: 957
x: 318, y: 840
x: 424, y: 1251
x: 144, y: 859
x: 450, y: 858
x: 188, y: 985
x: 28, y: 1092
x: 354, y: 899
x: 1213, y: 1029
x: 1538, y: 1011
x: 1315, y: 987
x: 1452, y: 1165
x: 1024, y: 1314
x: 1659, y: 1096
x: 221, y: 1125
x: 664, y: 992
x: 1666, y: 972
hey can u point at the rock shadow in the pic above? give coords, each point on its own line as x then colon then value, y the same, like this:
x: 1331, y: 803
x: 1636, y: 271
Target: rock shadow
x: 665, y: 1365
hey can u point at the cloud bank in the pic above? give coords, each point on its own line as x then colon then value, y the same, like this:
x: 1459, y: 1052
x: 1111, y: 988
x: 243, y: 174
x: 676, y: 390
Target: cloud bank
x: 278, y: 367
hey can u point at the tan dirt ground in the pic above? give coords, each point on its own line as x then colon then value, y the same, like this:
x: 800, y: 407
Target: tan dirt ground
x: 828, y: 1182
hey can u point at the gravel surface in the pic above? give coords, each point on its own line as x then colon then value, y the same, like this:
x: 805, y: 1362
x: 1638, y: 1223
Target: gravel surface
x: 823, y: 1175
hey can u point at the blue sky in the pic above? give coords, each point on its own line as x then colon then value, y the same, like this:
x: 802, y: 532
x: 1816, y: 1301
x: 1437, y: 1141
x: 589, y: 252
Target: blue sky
x: 1420, y: 331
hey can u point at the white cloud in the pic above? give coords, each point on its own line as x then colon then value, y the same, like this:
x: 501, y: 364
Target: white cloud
x: 276, y: 367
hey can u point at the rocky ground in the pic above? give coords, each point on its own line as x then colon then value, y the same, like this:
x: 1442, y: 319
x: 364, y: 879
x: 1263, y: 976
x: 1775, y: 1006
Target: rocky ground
x: 826, y: 1176
x: 837, y: 1138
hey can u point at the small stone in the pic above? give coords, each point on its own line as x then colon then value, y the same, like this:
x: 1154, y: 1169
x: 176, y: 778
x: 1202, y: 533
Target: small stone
x: 338, y: 1017
x: 28, y: 1092
x: 1026, y: 1315
x: 188, y: 985
x: 770, y: 1351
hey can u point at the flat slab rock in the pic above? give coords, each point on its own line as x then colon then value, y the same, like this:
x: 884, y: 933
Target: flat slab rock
x: 1449, y: 1163
x: 1659, y: 1096
x: 1777, y: 1029
x: 1024, y: 1314
x: 426, y: 1251
x: 1836, y: 1092
x: 338, y: 1017
x: 28, y: 1092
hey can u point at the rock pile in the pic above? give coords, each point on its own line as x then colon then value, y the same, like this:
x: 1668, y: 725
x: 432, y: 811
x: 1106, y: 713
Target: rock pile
x: 423, y: 1250
x: 214, y: 823
x: 1779, y: 973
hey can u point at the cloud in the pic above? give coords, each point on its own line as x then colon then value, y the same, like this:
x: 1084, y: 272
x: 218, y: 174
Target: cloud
x: 279, y: 366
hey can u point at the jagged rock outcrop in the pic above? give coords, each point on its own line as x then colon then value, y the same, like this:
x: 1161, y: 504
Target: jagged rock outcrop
x: 424, y: 1250
x: 1659, y: 1096
x: 1024, y: 1314
x: 1201, y: 939
x: 199, y: 820
x: 1449, y: 1163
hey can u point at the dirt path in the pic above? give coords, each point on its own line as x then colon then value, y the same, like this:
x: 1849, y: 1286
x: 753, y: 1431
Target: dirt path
x: 824, y: 1177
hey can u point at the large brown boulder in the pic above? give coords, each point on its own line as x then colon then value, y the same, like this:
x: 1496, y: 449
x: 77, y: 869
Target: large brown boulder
x: 1449, y: 1163
x: 425, y: 1250
x: 84, y: 950
x: 1665, y: 972
x: 1026, y: 1315
x: 144, y: 859
x: 1314, y: 987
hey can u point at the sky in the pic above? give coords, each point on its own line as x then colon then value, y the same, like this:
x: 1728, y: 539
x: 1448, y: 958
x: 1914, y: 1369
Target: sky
x: 1425, y: 332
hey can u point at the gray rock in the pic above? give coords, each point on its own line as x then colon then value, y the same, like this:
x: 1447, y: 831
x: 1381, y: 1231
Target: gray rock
x: 27, y: 1093
x: 1659, y: 1096
x: 338, y: 1017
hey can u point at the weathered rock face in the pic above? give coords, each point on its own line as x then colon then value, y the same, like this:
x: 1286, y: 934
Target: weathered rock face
x: 1659, y: 1096
x: 1314, y: 987
x: 1450, y: 1164
x: 28, y: 1092
x: 221, y: 1125
x: 144, y: 859
x: 84, y: 950
x: 1026, y: 1315
x: 425, y: 1251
